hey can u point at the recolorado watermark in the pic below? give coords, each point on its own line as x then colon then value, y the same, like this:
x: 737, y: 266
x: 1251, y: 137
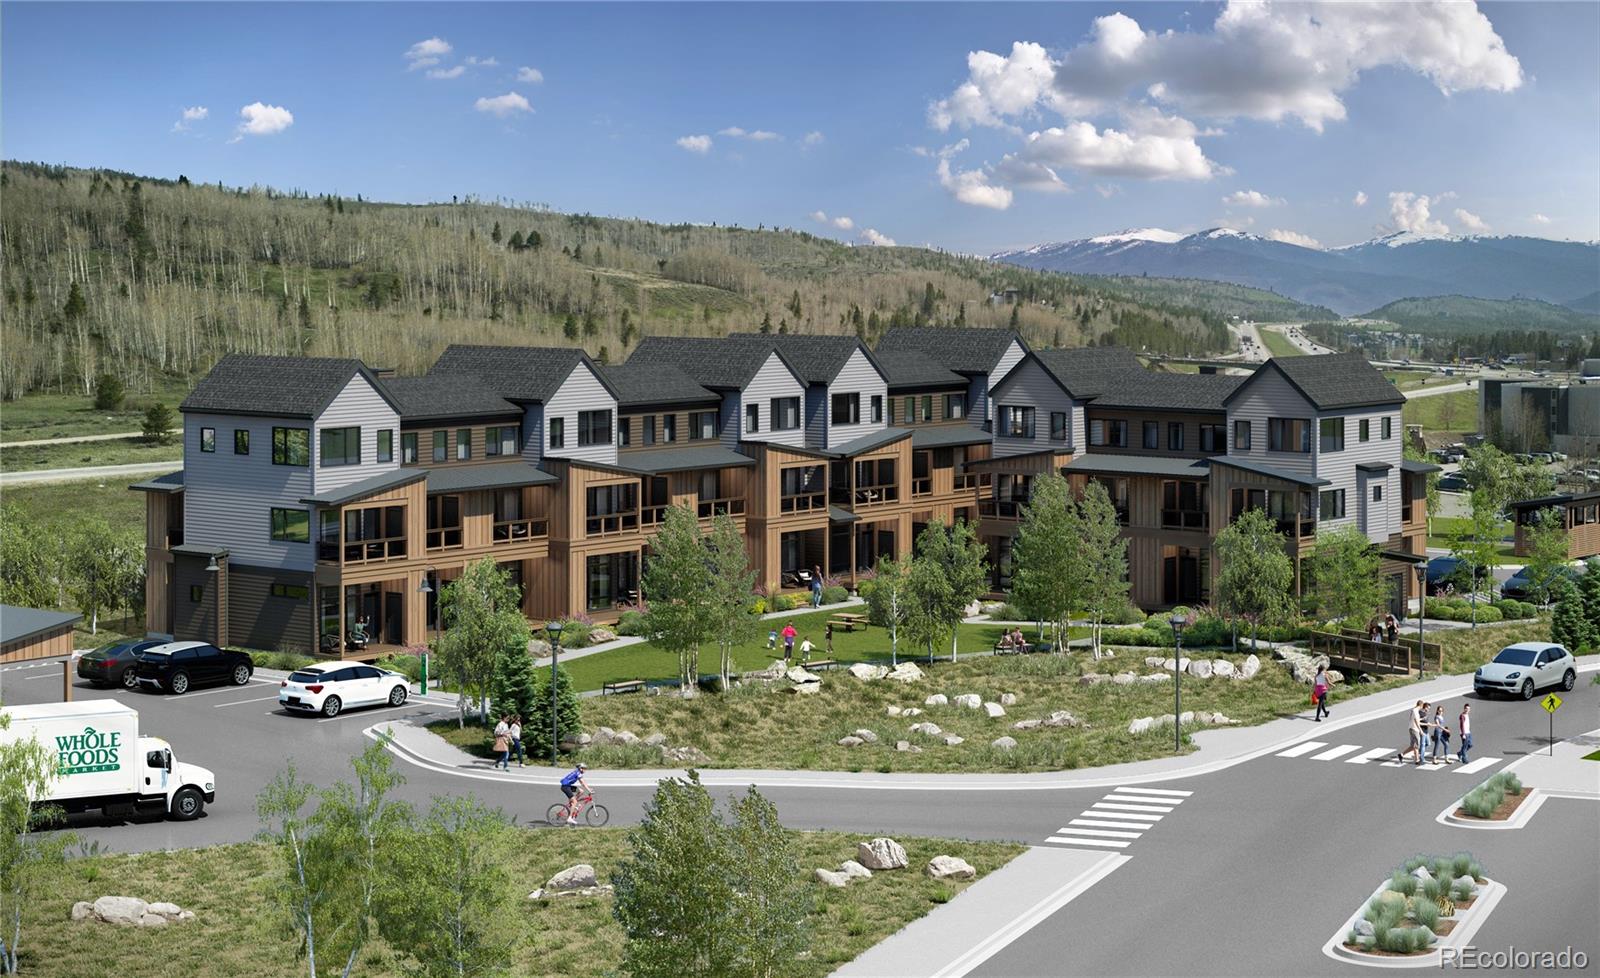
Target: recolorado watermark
x: 1472, y: 957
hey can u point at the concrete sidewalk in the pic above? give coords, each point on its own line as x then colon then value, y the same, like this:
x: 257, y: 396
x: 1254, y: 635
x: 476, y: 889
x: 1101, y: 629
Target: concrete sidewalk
x: 1563, y: 773
x: 1218, y: 748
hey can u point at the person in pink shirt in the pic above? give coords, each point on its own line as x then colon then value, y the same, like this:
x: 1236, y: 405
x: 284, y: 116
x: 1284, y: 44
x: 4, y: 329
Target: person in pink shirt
x: 788, y: 641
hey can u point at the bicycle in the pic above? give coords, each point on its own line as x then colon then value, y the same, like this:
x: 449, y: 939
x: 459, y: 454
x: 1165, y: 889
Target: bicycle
x: 594, y: 814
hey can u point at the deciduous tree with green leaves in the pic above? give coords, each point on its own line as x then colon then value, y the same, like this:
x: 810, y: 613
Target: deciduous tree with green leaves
x: 889, y: 604
x: 303, y: 886
x: 1255, y: 578
x: 731, y: 600
x: 482, y: 615
x: 1476, y: 543
x: 677, y: 586
x: 28, y: 857
x: 29, y: 568
x: 1105, y: 560
x: 100, y: 563
x: 1048, y: 559
x: 1502, y: 479
x: 1344, y: 576
x: 1546, y: 536
x: 947, y: 574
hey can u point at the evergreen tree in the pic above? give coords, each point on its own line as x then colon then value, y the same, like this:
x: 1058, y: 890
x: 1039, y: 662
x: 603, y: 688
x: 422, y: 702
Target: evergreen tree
x: 591, y: 326
x: 1569, y: 625
x: 108, y: 392
x: 304, y: 313
x: 76, y: 307
x: 158, y: 424
x: 1588, y: 586
x: 536, y: 726
x: 569, y: 327
x: 766, y: 322
x: 515, y: 685
x: 516, y: 241
x: 794, y: 304
x: 1016, y: 317
x: 929, y: 301
x: 961, y: 314
x: 494, y: 234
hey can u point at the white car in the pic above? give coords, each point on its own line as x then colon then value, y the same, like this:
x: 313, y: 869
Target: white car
x: 329, y: 687
x: 1527, y: 666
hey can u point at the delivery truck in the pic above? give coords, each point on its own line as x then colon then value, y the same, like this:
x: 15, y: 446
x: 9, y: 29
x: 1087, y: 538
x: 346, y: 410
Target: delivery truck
x: 102, y: 764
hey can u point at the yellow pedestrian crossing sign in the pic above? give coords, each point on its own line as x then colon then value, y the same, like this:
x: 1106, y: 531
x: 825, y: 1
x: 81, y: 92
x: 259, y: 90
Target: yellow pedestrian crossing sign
x: 1551, y: 703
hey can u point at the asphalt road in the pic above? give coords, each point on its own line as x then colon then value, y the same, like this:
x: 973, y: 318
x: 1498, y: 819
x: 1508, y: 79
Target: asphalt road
x: 41, y: 476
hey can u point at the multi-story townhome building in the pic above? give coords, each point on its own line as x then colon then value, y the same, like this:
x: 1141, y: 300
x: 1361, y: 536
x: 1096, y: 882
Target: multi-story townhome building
x: 318, y: 493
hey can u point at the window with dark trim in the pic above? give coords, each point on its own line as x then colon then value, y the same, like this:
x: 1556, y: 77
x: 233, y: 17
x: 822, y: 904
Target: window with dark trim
x: 1097, y: 432
x: 291, y: 446
x: 1364, y: 430
x: 385, y: 445
x: 844, y: 409
x: 594, y: 427
x: 702, y: 425
x: 1241, y: 436
x: 1016, y: 422
x: 1332, y: 504
x: 195, y: 592
x: 752, y: 419
x: 291, y: 525
x: 502, y: 440
x: 1174, y: 436
x: 877, y: 409
x: 785, y: 413
x: 1116, y: 433
x: 441, y: 446
x: 408, y: 448
x: 624, y: 432
x: 1058, y: 426
x: 241, y: 441
x: 1332, y: 435
x: 298, y: 592
x: 208, y: 439
x: 926, y: 414
x: 647, y: 425
x: 955, y: 406
x: 463, y: 444
x: 908, y: 406
x: 558, y: 432
x: 1213, y: 438
x: 1289, y: 435
x: 1388, y: 428
x: 341, y: 446
x: 1152, y: 434
x: 1377, y: 494
x: 669, y: 428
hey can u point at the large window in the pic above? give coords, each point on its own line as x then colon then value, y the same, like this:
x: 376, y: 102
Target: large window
x: 558, y: 432
x: 1185, y: 505
x: 341, y: 446
x: 463, y: 444
x: 1213, y: 438
x: 1364, y: 430
x: 1332, y: 507
x: 291, y: 525
x: 1113, y: 432
x: 1289, y: 435
x: 385, y: 445
x: 785, y: 413
x: 374, y: 533
x: 624, y: 432
x: 291, y: 446
x: 1332, y: 431
x: 1117, y: 492
x: 702, y: 425
x: 801, y: 488
x: 1241, y: 436
x: 647, y: 426
x: 955, y: 406
x: 1016, y: 422
x: 444, y: 522
x: 845, y: 409
x: 877, y: 409
x: 925, y: 408
x: 408, y: 448
x: 612, y: 509
x: 908, y: 406
x: 502, y: 440
x: 1174, y: 436
x: 669, y: 428
x: 1388, y: 428
x: 241, y: 441
x: 441, y: 446
x: 1152, y: 435
x: 1058, y: 426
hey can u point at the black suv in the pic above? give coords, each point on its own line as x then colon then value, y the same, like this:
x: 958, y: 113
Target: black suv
x: 176, y: 666
x: 114, y: 664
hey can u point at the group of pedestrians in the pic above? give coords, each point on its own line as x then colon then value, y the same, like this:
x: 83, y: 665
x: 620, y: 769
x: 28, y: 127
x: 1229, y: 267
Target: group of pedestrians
x: 1386, y: 630
x: 508, y: 740
x: 1425, y: 729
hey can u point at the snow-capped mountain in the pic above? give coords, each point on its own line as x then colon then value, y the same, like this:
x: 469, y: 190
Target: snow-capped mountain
x: 1350, y: 280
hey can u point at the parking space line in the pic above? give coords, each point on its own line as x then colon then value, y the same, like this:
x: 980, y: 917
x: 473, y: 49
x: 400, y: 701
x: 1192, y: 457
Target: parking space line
x: 258, y: 699
x: 368, y: 713
x: 225, y: 689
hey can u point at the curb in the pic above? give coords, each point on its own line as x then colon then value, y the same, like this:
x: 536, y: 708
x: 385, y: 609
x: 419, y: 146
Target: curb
x: 1460, y: 936
x: 1518, y: 819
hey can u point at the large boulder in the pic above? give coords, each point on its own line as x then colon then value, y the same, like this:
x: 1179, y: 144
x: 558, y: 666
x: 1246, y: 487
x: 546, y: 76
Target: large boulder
x: 855, y: 870
x: 881, y: 853
x: 1124, y: 678
x: 1186, y: 717
x: 1222, y: 668
x: 805, y: 688
x: 688, y: 756
x: 1182, y: 664
x: 1003, y: 743
x: 1156, y: 677
x: 994, y: 710
x: 578, y: 877
x: 164, y: 909
x: 937, y: 699
x: 1008, y: 699
x: 1026, y: 724
x: 82, y: 910
x: 905, y: 672
x: 799, y: 675
x: 969, y: 700
x: 950, y: 868
x: 867, y: 672
x: 907, y: 747
x: 952, y: 740
x: 830, y: 878
x: 1249, y: 668
x: 1200, y: 668
x: 1141, y: 725
x: 538, y: 648
x: 1092, y: 679
x: 655, y: 740
x: 598, y: 635
x: 120, y: 909
x: 891, y: 710
x: 929, y: 729
x: 911, y: 711
x: 626, y: 737
x: 1062, y: 718
x: 850, y: 741
x: 866, y: 735
x: 153, y: 920
x: 1153, y: 661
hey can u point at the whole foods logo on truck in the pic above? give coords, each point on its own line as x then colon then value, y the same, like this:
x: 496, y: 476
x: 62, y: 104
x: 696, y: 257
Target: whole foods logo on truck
x: 90, y: 751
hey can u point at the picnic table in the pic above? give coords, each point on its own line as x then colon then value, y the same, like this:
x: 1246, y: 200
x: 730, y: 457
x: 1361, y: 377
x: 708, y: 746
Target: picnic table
x: 623, y: 686
x: 848, y: 623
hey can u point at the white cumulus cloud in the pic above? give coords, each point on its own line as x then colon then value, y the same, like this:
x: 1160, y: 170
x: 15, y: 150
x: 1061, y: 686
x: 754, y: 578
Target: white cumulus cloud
x: 503, y: 106
x: 260, y: 119
x: 455, y: 72
x: 1410, y: 212
x: 529, y: 76
x: 1540, y: 219
x: 489, y: 62
x: 997, y: 87
x: 755, y: 135
x: 837, y: 221
x: 1294, y: 238
x: 1251, y: 198
x: 812, y: 138
x: 1173, y: 155
x: 193, y: 113
x: 1471, y: 221
x: 872, y: 236
x: 696, y: 144
x: 973, y: 187
x: 425, y: 54
x: 1360, y: 199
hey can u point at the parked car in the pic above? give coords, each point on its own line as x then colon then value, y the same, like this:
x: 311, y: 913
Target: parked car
x: 176, y: 667
x: 1543, y: 458
x: 114, y: 664
x: 1451, y: 570
x: 1520, y: 584
x: 1454, y: 483
x: 1525, y: 667
x: 329, y: 687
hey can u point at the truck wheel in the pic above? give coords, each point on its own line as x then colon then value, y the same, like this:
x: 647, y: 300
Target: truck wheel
x: 130, y: 678
x: 397, y: 696
x: 331, y: 706
x: 187, y: 804
x: 241, y: 675
x: 179, y: 683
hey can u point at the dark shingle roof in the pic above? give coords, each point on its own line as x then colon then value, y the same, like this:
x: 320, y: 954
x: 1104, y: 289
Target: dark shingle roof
x: 912, y: 369
x: 170, y: 482
x: 491, y: 475
x: 1335, y: 380
x: 948, y: 435
x: 964, y: 349
x: 1146, y: 389
x: 516, y: 373
x: 714, y: 362
x: 274, y: 386
x: 17, y: 624
x: 641, y: 383
x: 817, y: 359
x: 445, y: 396
x: 366, y: 487
x: 1088, y: 371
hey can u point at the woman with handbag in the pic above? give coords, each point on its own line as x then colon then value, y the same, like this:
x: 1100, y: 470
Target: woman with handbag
x: 1319, y: 692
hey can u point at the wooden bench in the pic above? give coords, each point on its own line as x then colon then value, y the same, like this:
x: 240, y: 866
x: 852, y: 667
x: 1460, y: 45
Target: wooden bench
x: 1024, y: 648
x: 820, y: 664
x: 623, y: 686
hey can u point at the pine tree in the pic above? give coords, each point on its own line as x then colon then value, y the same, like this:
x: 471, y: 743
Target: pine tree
x: 1016, y: 317
x: 536, y: 727
x: 591, y: 326
x: 766, y: 322
x: 76, y: 306
x: 569, y: 327
x: 1589, y: 587
x: 535, y: 240
x: 516, y: 241
x: 1569, y: 625
x: 494, y: 235
x: 515, y: 685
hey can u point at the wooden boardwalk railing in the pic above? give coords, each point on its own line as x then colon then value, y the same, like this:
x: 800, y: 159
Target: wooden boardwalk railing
x: 1350, y: 651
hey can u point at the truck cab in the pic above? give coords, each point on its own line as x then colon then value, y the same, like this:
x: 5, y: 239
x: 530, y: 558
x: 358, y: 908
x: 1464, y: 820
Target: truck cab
x: 183, y: 789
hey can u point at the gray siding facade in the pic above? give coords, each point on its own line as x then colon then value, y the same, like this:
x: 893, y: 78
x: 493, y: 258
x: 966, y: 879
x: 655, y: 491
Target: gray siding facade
x: 581, y: 391
x: 1269, y: 395
x: 980, y: 408
x: 228, y: 498
x: 773, y: 380
x: 358, y: 405
x: 1031, y: 386
x: 857, y: 376
x: 1378, y: 520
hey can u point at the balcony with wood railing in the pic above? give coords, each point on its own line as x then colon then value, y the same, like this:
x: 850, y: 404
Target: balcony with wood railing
x: 365, y: 551
x: 1001, y: 509
x: 516, y: 531
x: 803, y: 502
x: 725, y: 506
x: 614, y: 524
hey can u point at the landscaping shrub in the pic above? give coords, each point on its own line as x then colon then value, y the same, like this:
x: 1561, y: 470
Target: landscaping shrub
x: 631, y: 623
x: 1403, y: 883
x: 1432, y: 887
x: 1404, y: 940
x: 1128, y: 614
x: 865, y: 587
x: 575, y: 633
x: 758, y: 607
x: 1426, y: 911
x: 1485, y: 613
x: 1481, y: 802
x: 835, y: 594
x: 1140, y: 636
x: 282, y: 661
x: 1461, y: 892
x: 781, y: 602
x: 1010, y: 612
x: 409, y: 666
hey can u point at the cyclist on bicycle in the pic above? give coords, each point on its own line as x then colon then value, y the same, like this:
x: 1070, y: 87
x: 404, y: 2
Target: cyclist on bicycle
x: 571, y: 784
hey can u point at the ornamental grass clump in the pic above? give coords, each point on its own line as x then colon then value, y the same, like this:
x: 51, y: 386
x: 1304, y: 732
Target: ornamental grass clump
x: 1425, y: 912
x: 1403, y: 883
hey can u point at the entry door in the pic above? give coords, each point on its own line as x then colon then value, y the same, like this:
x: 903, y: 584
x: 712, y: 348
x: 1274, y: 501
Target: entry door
x: 393, y: 615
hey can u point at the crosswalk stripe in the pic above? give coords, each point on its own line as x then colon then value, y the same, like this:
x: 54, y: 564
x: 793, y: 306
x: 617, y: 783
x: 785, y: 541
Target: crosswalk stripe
x: 1167, y: 804
x: 1155, y: 791
x: 1062, y: 840
x: 1336, y: 752
x: 1370, y: 755
x: 1304, y: 748
x: 1430, y: 767
x: 1099, y: 808
x: 1477, y: 765
x: 1163, y: 809
x: 1105, y: 824
x: 1099, y: 832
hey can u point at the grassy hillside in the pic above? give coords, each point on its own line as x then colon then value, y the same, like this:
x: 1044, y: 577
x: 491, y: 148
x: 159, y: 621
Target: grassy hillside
x: 1219, y: 297
x: 1451, y: 314
x: 156, y: 278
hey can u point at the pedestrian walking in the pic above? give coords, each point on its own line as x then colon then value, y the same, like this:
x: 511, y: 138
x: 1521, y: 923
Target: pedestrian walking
x: 1464, y: 723
x: 806, y: 648
x: 502, y: 744
x: 1319, y: 692
x: 1391, y: 629
x: 1441, y: 736
x: 828, y: 637
x: 789, y: 634
x: 516, y: 738
x: 816, y: 587
x: 1414, y: 731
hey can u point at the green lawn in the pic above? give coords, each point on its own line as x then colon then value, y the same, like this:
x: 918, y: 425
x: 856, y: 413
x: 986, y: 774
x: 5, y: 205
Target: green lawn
x: 1278, y: 345
x: 236, y: 932
x: 118, y: 451
x: 1456, y: 411
x: 36, y: 416
x: 1441, y: 529
x: 1409, y: 380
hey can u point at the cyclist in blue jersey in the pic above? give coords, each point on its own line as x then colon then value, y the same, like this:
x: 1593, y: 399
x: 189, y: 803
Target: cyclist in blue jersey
x: 571, y: 784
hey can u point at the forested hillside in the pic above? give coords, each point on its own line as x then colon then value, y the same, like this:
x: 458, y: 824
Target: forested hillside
x: 155, y: 278
x: 1457, y: 314
x: 1220, y: 297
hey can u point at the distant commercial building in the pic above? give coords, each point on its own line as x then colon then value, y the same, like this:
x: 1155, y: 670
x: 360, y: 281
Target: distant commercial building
x: 1541, y: 415
x: 28, y: 633
x: 1590, y: 370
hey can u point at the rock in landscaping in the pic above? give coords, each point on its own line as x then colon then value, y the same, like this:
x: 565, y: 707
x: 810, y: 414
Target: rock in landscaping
x: 1165, y: 720
x: 950, y: 868
x: 866, y: 672
x: 855, y: 870
x: 603, y: 736
x: 1465, y: 880
x: 892, y: 710
x: 1153, y: 661
x: 937, y: 699
x: 82, y: 910
x: 576, y: 741
x: 1222, y: 669
x: 911, y: 711
x: 1186, y: 717
x: 1221, y: 720
x: 1301, y: 665
x: 951, y: 740
x: 598, y: 635
x: 806, y: 689
x: 881, y: 854
x: 831, y: 878
x: 1335, y: 677
x: 905, y: 672
x: 1182, y: 664
x: 1008, y: 699
x: 1092, y: 679
x: 130, y: 912
x: 850, y: 741
x: 120, y: 909
x: 1124, y: 678
x: 907, y: 747
x: 1200, y: 668
x: 1026, y: 724
x: 1204, y: 716
x: 1140, y: 725
x: 1156, y: 677
x: 867, y: 735
x: 969, y: 700
x: 538, y: 648
x: 164, y: 909
x: 655, y: 740
x: 1421, y: 873
x: 691, y: 756
x: 774, y: 670
x: 1249, y: 668
x: 1062, y: 718
x: 799, y: 675
x: 995, y: 710
x: 626, y: 737
x: 152, y: 920
x: 1003, y: 743
x: 1364, y: 928
x: 577, y: 877
x: 930, y: 729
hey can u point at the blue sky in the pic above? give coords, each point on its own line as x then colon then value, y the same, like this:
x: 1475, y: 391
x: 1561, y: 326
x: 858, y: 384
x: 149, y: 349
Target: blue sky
x: 1082, y: 119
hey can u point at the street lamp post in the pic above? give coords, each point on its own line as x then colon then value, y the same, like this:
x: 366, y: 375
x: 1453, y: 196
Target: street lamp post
x: 554, y: 628
x: 1422, y: 594
x: 1177, y: 622
x: 424, y: 589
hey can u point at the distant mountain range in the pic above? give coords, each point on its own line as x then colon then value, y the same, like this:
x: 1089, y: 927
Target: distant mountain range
x: 1351, y: 280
